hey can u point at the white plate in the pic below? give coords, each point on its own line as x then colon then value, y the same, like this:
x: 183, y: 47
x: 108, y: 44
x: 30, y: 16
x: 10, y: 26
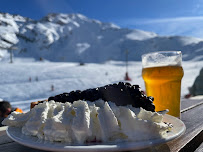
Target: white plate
x: 178, y: 129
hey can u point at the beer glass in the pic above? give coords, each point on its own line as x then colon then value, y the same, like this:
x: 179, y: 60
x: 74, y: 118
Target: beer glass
x: 162, y: 73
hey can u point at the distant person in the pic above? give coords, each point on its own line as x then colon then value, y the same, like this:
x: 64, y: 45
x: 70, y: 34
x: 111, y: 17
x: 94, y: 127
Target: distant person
x: 52, y: 87
x: 127, y: 78
x: 197, y: 87
x: 6, y: 109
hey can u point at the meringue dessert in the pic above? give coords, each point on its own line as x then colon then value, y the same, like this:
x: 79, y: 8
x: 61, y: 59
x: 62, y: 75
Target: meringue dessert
x: 112, y: 113
x: 84, y: 122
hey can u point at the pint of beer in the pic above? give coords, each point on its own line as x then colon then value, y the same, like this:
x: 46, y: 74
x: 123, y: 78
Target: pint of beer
x: 162, y: 73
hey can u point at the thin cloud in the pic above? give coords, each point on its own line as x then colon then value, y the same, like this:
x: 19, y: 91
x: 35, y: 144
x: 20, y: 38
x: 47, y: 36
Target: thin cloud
x: 177, y: 19
x: 162, y: 20
x: 183, y: 26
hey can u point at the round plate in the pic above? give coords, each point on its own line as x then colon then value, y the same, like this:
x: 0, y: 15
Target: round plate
x: 30, y: 141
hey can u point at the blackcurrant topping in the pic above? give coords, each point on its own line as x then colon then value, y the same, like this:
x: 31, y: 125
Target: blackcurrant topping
x: 121, y: 94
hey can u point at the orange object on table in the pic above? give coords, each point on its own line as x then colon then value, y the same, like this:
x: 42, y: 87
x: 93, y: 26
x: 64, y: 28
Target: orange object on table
x: 18, y: 110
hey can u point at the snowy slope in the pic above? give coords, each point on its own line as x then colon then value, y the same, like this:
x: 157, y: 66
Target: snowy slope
x: 76, y: 38
x: 16, y: 87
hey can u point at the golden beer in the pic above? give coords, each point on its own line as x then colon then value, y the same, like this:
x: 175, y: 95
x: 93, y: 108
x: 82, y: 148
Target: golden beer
x: 164, y: 84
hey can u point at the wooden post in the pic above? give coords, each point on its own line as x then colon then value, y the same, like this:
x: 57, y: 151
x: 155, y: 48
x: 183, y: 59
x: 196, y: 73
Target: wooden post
x: 127, y: 78
x: 11, y: 52
x: 11, y: 56
x: 126, y: 52
x: 52, y: 87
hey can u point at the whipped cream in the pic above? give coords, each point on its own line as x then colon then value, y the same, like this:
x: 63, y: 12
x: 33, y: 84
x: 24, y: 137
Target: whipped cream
x: 85, y: 121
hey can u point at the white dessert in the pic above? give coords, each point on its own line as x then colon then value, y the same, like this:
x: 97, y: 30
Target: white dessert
x: 85, y: 121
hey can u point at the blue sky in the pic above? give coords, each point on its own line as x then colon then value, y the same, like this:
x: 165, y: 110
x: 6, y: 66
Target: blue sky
x: 164, y: 17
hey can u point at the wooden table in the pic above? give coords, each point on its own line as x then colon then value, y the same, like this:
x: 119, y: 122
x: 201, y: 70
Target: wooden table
x: 192, y: 140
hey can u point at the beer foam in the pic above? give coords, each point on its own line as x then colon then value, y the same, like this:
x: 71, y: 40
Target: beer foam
x: 158, y: 59
x: 161, y: 65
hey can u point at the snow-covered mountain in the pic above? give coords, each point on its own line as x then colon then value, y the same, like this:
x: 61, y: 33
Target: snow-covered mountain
x: 76, y: 38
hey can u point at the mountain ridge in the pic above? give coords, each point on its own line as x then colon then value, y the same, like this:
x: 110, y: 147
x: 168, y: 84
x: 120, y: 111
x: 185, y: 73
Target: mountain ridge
x: 77, y: 38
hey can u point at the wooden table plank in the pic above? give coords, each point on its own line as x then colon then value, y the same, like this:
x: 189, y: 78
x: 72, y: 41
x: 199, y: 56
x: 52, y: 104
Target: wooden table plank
x: 193, y: 120
x: 185, y: 103
x: 200, y: 148
x: 3, y: 136
x: 15, y: 147
x: 194, y: 143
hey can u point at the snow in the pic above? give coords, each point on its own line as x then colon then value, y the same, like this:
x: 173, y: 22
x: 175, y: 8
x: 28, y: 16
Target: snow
x: 114, y: 26
x: 4, y: 55
x: 190, y: 40
x: 16, y: 87
x: 199, y: 50
x: 198, y: 58
x: 100, y: 37
x: 81, y: 47
x: 140, y: 35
